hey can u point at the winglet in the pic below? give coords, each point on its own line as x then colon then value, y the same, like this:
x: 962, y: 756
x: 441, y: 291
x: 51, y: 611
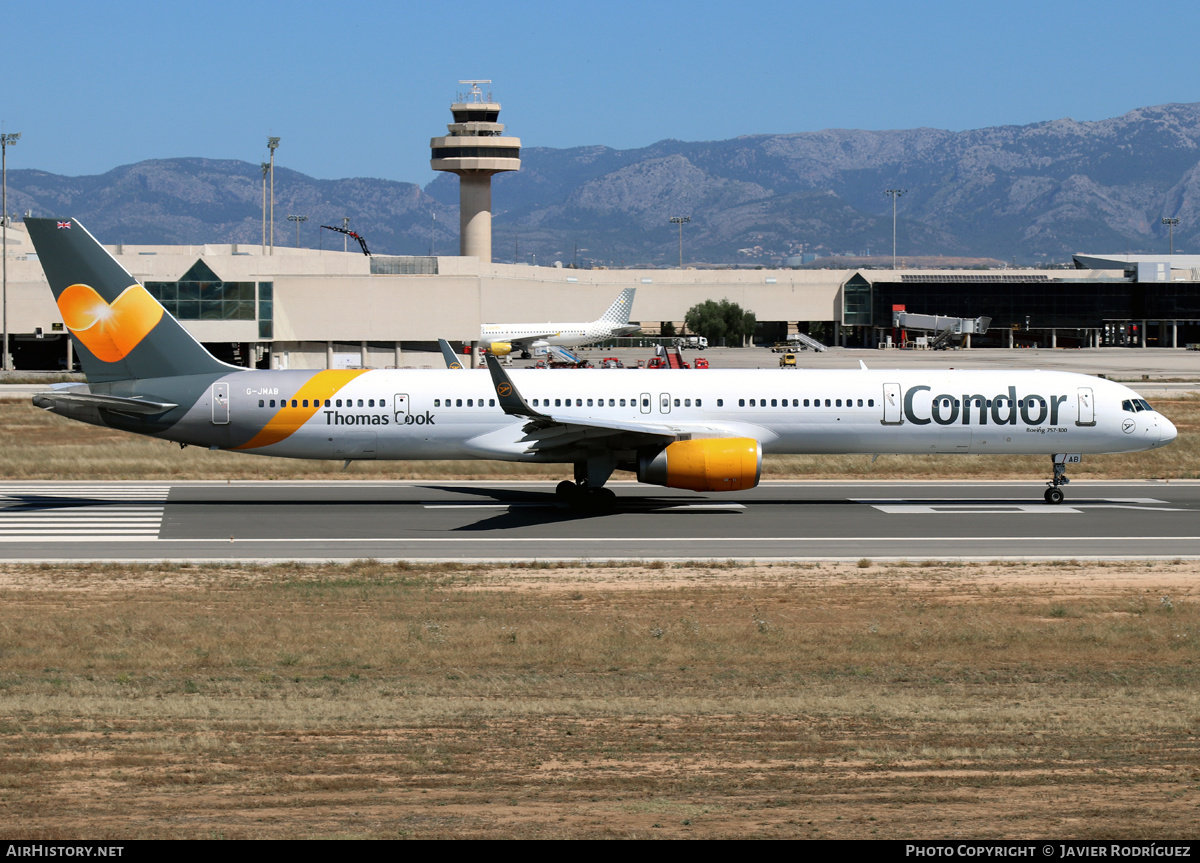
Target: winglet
x: 451, y: 358
x: 510, y: 400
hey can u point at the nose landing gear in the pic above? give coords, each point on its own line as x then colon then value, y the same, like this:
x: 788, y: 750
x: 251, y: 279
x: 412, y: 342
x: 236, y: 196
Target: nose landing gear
x: 1054, y: 494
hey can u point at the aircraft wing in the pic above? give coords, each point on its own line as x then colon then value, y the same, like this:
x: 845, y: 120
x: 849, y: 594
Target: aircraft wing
x: 546, y: 433
x: 525, y: 342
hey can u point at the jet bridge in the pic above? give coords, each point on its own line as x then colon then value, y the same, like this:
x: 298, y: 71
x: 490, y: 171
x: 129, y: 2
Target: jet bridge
x: 946, y: 329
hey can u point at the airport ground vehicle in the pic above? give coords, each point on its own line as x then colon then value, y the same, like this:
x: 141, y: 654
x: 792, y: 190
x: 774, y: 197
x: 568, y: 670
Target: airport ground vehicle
x: 787, y: 361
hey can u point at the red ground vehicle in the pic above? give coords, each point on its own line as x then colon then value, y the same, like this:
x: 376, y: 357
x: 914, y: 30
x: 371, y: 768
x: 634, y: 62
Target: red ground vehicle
x: 700, y: 363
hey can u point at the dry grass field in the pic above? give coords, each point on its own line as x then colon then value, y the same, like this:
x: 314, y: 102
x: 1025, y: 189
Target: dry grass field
x: 37, y: 445
x: 368, y: 700
x: 879, y: 700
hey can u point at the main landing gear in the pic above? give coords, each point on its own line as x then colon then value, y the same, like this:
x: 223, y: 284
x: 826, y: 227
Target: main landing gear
x: 588, y: 491
x: 1054, y: 494
x: 578, y: 495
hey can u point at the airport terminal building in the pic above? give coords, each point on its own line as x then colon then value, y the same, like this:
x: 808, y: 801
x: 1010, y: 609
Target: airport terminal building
x: 307, y: 308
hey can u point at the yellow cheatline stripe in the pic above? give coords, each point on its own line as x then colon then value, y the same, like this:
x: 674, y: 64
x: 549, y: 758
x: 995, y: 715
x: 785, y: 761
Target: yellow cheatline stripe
x: 320, y: 386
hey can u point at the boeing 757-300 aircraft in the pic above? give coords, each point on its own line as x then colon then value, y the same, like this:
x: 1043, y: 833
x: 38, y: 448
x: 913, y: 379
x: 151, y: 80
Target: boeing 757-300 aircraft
x: 503, y: 339
x: 705, y: 431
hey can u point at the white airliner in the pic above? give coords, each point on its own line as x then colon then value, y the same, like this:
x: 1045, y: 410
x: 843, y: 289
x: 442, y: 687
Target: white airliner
x: 502, y: 339
x: 700, y: 430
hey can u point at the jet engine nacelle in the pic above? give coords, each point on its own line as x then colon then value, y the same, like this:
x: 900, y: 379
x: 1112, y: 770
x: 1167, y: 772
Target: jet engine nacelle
x: 500, y: 349
x: 708, y: 464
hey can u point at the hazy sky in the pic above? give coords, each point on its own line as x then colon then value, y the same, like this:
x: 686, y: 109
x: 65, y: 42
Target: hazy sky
x: 358, y: 88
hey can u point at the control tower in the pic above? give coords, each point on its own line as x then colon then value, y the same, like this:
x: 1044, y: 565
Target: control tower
x: 475, y: 148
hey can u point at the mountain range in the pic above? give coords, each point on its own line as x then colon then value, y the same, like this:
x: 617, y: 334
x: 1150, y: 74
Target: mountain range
x: 1030, y: 194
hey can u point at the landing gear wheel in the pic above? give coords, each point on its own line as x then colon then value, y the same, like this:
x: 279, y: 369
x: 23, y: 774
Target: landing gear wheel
x: 1054, y: 494
x: 595, y: 499
x: 579, y: 496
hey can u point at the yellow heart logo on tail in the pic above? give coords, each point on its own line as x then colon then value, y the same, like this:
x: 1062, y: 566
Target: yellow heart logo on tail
x: 109, y: 332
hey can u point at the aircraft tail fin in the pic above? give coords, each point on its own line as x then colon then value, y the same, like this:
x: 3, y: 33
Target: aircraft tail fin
x: 121, y: 332
x: 451, y: 358
x: 618, y: 313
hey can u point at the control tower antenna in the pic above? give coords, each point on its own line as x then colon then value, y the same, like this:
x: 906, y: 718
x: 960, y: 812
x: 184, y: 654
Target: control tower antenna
x: 475, y: 149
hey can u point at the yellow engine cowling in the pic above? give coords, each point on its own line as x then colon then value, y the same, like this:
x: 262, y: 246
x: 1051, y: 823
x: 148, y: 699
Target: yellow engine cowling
x: 500, y: 349
x: 709, y: 464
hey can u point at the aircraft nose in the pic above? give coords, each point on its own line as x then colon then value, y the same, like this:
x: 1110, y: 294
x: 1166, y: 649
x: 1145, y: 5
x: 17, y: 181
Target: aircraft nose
x: 1166, y: 430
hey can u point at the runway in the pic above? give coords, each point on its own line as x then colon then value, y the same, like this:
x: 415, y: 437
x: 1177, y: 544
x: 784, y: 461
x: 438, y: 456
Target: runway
x: 497, y: 521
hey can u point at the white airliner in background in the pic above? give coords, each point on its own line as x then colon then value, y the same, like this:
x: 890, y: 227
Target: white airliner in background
x: 699, y: 430
x: 502, y: 339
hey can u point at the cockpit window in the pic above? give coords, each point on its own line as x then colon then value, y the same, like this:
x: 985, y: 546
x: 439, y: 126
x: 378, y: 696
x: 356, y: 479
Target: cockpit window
x: 1135, y: 405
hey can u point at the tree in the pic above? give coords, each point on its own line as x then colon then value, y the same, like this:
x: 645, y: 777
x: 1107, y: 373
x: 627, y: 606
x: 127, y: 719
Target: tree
x: 721, y: 322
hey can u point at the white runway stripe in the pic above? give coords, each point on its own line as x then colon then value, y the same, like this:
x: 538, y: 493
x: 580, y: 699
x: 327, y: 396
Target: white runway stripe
x: 48, y: 511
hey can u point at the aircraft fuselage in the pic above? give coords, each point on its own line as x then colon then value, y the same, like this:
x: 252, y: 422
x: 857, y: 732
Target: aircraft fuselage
x: 414, y: 414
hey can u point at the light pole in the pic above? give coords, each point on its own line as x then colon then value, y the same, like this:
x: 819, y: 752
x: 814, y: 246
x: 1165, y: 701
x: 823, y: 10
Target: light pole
x: 272, y: 143
x: 345, y: 236
x: 1171, y: 223
x: 266, y: 169
x: 6, y: 140
x: 894, y: 194
x: 297, y: 220
x: 680, y: 221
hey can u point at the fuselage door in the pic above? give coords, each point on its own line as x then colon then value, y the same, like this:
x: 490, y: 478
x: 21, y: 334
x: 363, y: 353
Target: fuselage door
x: 664, y: 403
x: 401, y: 408
x: 220, y: 403
x: 645, y: 403
x: 892, y: 412
x: 1087, y: 408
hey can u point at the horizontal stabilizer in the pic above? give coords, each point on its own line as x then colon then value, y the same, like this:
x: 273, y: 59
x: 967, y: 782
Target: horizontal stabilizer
x: 140, y: 407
